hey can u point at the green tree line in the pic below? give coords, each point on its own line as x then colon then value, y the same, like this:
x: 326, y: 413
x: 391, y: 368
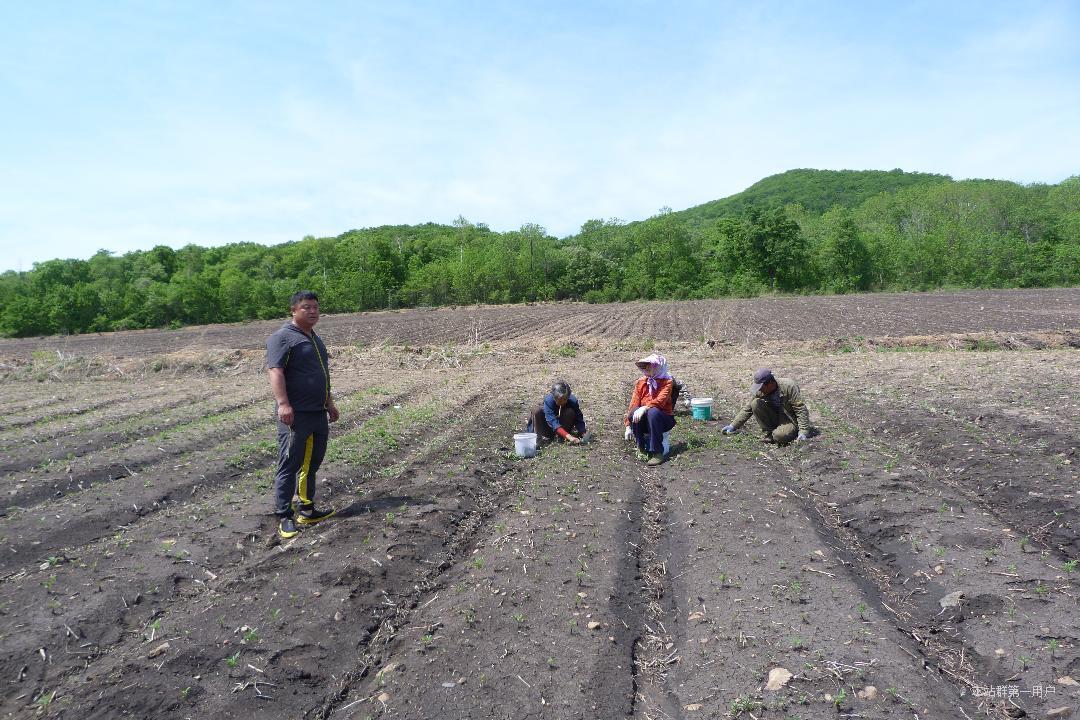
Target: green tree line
x: 881, y: 231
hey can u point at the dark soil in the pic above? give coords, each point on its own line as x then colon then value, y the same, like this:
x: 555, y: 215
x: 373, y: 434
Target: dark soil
x: 142, y: 577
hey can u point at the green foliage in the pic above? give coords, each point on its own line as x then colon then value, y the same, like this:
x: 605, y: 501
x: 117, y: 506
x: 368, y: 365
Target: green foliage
x: 815, y: 190
x: 800, y: 231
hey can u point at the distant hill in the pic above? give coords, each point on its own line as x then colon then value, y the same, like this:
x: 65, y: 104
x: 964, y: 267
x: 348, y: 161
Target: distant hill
x: 816, y: 190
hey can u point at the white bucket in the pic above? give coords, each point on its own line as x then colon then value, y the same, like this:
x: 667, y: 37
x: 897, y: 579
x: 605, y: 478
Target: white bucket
x: 525, y: 444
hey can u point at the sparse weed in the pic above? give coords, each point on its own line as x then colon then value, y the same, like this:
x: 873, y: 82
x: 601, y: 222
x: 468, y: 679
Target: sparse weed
x: 744, y: 704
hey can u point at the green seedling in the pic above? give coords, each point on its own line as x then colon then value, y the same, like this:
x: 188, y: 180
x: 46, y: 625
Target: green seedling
x: 744, y: 704
x: 795, y: 590
x: 1053, y: 645
x: 840, y: 698
x: 251, y: 636
x: 1069, y: 566
x: 233, y: 660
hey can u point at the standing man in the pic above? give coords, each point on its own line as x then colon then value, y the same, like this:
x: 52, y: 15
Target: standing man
x: 299, y: 371
x: 778, y: 407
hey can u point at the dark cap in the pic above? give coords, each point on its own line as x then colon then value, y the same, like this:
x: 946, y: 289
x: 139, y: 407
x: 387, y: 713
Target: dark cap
x: 762, y: 376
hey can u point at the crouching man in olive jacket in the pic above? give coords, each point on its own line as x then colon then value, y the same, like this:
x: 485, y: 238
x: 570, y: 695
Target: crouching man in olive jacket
x: 778, y: 407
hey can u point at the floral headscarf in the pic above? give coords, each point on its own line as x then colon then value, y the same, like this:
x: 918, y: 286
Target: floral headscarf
x: 655, y: 367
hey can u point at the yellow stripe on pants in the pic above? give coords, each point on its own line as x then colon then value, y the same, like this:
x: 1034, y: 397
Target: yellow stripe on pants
x: 302, y: 474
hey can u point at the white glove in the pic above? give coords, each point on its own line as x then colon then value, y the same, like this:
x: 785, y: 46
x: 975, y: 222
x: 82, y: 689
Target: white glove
x: 801, y: 438
x: 629, y: 433
x: 729, y: 429
x: 640, y: 413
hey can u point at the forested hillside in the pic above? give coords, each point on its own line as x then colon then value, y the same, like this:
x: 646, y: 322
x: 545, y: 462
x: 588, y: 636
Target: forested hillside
x: 801, y: 231
x: 816, y: 190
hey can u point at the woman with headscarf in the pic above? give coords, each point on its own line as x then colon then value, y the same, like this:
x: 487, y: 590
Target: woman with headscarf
x: 559, y: 415
x: 651, y: 414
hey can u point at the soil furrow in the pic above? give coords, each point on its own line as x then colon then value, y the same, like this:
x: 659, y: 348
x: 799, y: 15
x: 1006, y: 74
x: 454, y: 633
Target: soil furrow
x: 111, y: 456
x: 118, y: 410
x: 1026, y: 484
x: 97, y: 508
x: 946, y: 549
x: 220, y: 573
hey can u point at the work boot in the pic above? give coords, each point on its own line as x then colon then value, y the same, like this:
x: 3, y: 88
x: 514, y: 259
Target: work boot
x: 655, y: 459
x: 287, y: 528
x: 312, y: 516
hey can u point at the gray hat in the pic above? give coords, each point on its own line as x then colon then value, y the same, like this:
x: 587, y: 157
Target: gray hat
x: 762, y: 376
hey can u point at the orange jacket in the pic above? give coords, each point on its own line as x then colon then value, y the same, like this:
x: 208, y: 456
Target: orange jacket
x: 661, y: 399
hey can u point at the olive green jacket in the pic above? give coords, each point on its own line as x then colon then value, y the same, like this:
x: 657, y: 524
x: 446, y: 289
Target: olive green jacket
x: 791, y: 404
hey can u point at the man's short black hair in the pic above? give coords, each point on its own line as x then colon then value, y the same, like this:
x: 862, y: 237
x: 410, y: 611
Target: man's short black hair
x: 300, y: 296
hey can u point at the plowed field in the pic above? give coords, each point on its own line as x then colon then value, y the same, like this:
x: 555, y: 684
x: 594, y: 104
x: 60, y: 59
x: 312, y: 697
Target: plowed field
x: 140, y: 574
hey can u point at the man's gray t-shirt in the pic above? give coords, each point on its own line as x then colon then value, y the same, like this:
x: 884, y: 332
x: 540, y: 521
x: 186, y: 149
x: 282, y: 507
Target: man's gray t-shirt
x: 306, y: 365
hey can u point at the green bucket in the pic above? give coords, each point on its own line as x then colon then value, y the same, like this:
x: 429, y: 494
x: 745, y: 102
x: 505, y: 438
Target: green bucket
x: 701, y: 408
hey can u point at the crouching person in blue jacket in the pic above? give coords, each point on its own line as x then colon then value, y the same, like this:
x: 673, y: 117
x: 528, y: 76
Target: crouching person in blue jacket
x: 558, y: 416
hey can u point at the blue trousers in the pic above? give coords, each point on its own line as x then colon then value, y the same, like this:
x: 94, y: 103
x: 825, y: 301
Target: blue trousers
x: 649, y: 431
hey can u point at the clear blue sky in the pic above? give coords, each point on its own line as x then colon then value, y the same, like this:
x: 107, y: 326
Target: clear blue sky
x: 131, y: 124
